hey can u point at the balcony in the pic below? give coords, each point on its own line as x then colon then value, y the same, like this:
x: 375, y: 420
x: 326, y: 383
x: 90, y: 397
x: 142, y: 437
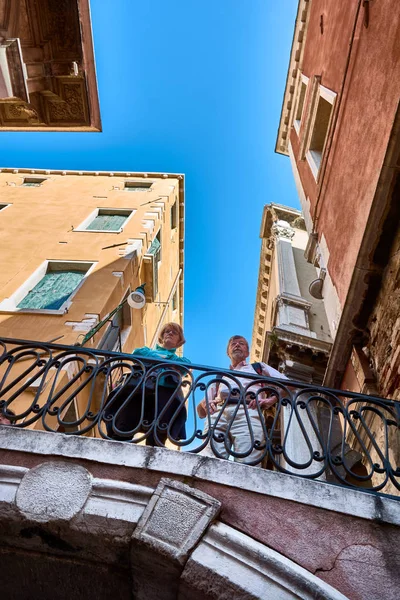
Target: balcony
x: 293, y: 512
x: 312, y: 432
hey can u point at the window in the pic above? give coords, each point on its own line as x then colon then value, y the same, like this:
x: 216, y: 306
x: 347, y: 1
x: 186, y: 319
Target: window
x: 33, y: 181
x: 138, y: 186
x: 118, y: 330
x: 151, y: 263
x: 155, y: 248
x: 175, y: 301
x: 320, y: 120
x: 50, y: 288
x: 300, y: 103
x: 2, y: 206
x: 174, y: 220
x: 320, y: 130
x: 54, y: 289
x: 110, y: 220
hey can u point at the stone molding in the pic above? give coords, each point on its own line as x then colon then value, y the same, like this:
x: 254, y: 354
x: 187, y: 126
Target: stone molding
x: 172, y: 524
x: 171, y: 551
x: 175, y: 519
x: 282, y: 229
x: 171, y: 463
x: 227, y: 563
x: 292, y: 80
x: 291, y: 337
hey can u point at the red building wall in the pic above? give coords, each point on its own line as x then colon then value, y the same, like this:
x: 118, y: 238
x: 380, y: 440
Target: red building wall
x: 367, y: 109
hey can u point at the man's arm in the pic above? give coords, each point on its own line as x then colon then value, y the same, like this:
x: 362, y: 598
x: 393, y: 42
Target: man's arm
x: 273, y: 397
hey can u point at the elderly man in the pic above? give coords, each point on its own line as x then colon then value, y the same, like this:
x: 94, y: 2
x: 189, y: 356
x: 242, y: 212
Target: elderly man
x: 233, y: 421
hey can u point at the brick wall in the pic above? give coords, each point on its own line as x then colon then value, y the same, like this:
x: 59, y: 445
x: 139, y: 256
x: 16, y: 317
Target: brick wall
x: 384, y: 327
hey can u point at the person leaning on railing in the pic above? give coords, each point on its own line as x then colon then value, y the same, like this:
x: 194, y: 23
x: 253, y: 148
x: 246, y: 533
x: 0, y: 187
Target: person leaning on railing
x: 129, y: 417
x: 235, y: 426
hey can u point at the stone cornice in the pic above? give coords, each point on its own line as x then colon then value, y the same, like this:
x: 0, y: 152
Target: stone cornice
x: 288, y: 337
x: 192, y: 468
x: 295, y: 63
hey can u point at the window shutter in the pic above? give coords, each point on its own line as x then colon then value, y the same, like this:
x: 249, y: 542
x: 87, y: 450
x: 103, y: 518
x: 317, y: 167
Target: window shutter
x: 53, y: 290
x: 107, y: 222
x: 155, y: 247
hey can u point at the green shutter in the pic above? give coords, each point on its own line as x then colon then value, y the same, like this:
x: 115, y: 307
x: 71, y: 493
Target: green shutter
x: 107, y: 222
x: 155, y: 247
x: 53, y: 290
x: 138, y: 188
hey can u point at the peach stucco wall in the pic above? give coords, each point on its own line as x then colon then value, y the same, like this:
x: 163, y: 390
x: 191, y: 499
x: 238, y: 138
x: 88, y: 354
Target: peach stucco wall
x: 38, y: 225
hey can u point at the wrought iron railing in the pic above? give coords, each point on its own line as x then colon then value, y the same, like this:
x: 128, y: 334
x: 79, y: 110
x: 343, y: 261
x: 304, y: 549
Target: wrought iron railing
x: 310, y: 431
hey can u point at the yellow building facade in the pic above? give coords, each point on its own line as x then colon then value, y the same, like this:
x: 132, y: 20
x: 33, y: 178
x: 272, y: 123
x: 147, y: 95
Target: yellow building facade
x: 75, y: 244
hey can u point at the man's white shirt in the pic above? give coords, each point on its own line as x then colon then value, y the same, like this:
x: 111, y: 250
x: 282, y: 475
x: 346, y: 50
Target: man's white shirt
x: 227, y: 384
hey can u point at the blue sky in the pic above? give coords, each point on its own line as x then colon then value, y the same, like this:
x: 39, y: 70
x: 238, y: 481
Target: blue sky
x: 192, y: 87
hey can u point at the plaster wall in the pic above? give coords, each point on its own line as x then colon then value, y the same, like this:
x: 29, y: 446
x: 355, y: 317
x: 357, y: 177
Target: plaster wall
x: 350, y: 381
x: 306, y: 273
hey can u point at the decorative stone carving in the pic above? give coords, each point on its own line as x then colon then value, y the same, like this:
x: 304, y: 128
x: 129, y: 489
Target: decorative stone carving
x: 282, y: 229
x: 54, y: 43
x: 53, y: 491
x: 175, y: 519
x: 69, y: 106
x: 171, y: 525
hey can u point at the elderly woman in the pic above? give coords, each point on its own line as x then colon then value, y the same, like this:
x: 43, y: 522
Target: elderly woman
x: 155, y: 396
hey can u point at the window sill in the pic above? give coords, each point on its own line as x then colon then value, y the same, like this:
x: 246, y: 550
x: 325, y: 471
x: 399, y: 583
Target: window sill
x: 96, y: 230
x: 314, y: 160
x: 32, y: 311
x: 296, y: 125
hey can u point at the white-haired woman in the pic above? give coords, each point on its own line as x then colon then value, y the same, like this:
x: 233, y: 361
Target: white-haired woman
x: 165, y: 398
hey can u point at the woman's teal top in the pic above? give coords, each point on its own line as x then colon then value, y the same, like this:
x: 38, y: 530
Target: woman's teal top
x: 163, y: 353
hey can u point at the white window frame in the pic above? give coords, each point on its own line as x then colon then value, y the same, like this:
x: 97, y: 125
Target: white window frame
x: 95, y: 213
x: 298, y: 117
x: 329, y: 96
x: 11, y: 304
x: 3, y: 206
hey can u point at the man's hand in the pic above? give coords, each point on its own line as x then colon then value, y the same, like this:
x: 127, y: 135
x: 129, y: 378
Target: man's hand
x: 263, y: 402
x: 202, y: 408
